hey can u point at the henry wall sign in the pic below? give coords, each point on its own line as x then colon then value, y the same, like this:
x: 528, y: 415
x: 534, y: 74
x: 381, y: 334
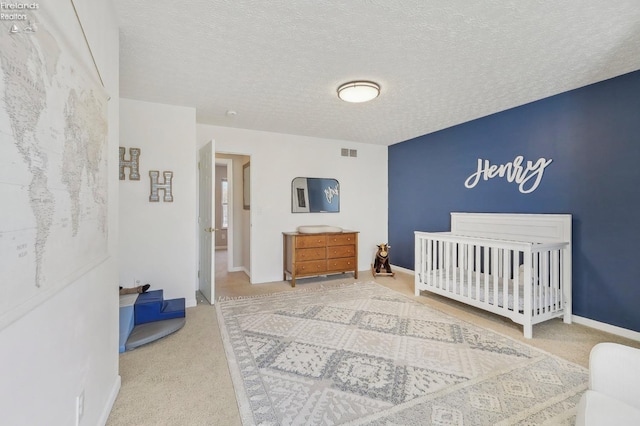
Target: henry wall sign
x: 527, y: 176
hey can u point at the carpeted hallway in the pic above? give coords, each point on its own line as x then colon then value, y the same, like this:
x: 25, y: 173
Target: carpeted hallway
x: 184, y: 379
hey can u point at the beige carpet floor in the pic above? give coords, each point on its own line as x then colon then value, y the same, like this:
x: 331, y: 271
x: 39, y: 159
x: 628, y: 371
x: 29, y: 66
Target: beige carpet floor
x: 183, y: 379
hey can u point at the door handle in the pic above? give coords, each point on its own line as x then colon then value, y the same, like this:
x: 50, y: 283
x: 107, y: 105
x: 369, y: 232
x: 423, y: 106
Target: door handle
x: 211, y: 229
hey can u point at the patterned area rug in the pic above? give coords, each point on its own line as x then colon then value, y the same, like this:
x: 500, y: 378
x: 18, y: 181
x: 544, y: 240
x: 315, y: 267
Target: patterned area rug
x: 364, y: 354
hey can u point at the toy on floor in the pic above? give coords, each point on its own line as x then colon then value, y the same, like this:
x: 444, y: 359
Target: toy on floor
x: 382, y: 261
x: 133, y: 290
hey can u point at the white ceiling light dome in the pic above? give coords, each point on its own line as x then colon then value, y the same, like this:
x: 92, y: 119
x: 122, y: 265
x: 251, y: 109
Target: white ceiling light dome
x: 358, y: 91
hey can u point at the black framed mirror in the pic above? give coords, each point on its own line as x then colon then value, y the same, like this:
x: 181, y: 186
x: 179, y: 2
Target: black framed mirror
x: 315, y: 195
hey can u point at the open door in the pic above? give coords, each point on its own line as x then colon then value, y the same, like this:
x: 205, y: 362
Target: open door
x: 206, y: 216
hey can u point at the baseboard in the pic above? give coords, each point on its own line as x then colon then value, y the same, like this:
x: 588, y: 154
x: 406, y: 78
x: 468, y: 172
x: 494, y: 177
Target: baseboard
x: 401, y: 269
x: 115, y: 389
x: 236, y: 269
x: 608, y: 328
x: 190, y: 302
x: 602, y: 326
x: 246, y: 271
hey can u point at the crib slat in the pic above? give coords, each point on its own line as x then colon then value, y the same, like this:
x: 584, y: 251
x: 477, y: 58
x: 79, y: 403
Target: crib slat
x: 427, y: 264
x: 445, y: 272
x: 467, y: 283
x: 474, y: 264
x: 535, y: 279
x: 434, y: 263
x: 441, y: 265
x: 487, y: 254
x: 545, y: 283
x: 539, y: 301
x: 560, y: 283
x: 460, y: 262
x: 462, y: 247
x: 506, y: 255
x: 555, y: 275
x: 516, y: 281
x: 496, y: 276
x: 470, y: 267
x: 424, y: 265
x: 451, y: 266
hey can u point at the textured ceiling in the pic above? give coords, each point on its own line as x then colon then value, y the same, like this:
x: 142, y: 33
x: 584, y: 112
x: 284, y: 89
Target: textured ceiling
x: 439, y: 62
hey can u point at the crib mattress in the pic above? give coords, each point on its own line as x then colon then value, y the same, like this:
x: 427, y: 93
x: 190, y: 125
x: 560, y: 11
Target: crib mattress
x: 469, y: 291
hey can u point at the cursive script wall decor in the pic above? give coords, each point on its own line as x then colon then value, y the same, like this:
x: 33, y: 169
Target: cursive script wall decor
x: 329, y: 192
x: 527, y: 177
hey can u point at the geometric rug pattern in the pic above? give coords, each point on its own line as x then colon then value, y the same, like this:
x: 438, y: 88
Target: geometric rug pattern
x: 364, y: 354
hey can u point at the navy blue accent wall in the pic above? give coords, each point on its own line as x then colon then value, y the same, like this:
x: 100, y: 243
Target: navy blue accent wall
x: 592, y: 134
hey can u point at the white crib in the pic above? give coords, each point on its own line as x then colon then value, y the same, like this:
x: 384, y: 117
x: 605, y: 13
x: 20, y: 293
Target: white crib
x: 514, y: 265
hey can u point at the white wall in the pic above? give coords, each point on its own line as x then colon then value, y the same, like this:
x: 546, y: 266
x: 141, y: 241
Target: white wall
x: 69, y: 343
x: 157, y: 239
x: 278, y: 158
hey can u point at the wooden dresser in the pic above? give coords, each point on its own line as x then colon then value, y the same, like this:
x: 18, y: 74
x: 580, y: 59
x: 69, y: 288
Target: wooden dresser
x: 307, y: 255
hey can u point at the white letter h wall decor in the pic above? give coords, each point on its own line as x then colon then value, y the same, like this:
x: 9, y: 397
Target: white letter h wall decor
x: 155, y: 186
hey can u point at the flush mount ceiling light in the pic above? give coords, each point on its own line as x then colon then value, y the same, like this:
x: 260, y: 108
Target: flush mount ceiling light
x: 358, y: 91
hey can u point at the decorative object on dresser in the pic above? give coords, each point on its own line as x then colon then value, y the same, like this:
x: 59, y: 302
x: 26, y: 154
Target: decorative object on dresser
x: 319, y: 250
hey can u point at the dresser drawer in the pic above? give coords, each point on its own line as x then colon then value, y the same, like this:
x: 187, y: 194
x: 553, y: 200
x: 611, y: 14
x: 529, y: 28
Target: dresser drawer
x: 341, y: 251
x: 304, y: 241
x: 344, y: 264
x: 340, y: 239
x: 315, y: 253
x: 311, y: 267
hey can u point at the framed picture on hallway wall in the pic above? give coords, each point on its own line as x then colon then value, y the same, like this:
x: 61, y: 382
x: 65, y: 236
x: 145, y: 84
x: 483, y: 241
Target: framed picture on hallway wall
x: 246, y: 188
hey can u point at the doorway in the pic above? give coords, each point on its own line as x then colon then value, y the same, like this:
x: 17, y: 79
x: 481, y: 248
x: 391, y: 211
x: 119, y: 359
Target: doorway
x: 237, y: 237
x: 224, y: 214
x: 237, y: 233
